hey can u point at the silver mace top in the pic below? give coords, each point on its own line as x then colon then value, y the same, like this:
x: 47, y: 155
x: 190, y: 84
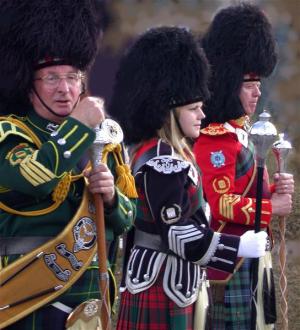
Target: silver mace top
x: 108, y: 132
x: 262, y: 134
x: 281, y: 149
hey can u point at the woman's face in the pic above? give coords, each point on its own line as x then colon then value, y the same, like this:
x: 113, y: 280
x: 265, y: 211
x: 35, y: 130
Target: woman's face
x: 249, y: 95
x: 189, y: 117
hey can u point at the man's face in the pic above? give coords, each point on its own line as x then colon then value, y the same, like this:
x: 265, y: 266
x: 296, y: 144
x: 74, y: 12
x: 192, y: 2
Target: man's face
x: 249, y: 95
x: 59, y: 87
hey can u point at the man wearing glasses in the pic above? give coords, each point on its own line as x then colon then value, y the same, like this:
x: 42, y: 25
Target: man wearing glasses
x: 47, y: 213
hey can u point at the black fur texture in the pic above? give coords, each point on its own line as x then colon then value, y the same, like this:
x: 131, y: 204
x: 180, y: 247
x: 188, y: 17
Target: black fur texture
x: 163, y: 69
x: 239, y: 41
x: 31, y: 30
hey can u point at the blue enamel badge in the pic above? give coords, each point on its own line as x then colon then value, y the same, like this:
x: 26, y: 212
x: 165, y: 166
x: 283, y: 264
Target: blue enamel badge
x: 217, y: 158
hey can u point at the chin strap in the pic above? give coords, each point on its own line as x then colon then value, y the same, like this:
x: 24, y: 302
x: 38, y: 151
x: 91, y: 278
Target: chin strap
x: 52, y: 111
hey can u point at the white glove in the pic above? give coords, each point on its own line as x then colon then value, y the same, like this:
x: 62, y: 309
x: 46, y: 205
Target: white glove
x: 253, y: 245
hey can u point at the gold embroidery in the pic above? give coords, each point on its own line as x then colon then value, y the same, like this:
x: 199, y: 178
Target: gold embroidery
x: 19, y: 153
x: 226, y: 205
x: 247, y: 209
x: 221, y: 186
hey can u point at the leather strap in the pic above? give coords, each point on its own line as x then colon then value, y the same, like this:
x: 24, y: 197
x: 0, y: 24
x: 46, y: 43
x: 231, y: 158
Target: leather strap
x: 150, y: 241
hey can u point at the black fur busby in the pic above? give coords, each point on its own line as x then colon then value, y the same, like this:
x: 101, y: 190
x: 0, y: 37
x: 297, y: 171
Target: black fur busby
x: 163, y: 69
x: 239, y: 41
x: 48, y: 32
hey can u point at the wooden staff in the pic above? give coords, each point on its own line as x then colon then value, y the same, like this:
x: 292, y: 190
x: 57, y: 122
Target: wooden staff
x: 96, y: 157
x: 281, y: 149
x: 262, y: 134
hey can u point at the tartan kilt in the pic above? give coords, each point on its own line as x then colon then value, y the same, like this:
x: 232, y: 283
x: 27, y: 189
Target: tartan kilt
x: 49, y: 317
x: 231, y: 308
x: 152, y: 309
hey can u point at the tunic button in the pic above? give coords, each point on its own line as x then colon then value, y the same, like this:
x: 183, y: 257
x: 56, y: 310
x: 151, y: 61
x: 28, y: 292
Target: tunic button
x: 129, y: 214
x: 188, y: 294
x: 67, y: 154
x: 221, y: 246
x: 214, y: 259
x: 61, y: 141
x: 203, y: 225
x: 179, y: 286
x: 146, y: 277
x: 135, y: 281
x: 54, y: 133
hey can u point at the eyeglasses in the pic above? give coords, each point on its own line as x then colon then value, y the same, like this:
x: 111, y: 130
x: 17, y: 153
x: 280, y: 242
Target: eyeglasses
x: 52, y: 80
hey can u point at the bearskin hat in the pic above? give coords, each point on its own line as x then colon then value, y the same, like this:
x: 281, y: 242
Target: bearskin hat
x: 163, y: 69
x: 36, y: 33
x: 239, y: 41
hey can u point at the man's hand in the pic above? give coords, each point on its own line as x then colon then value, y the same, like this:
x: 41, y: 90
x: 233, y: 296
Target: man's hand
x: 101, y: 181
x: 90, y: 111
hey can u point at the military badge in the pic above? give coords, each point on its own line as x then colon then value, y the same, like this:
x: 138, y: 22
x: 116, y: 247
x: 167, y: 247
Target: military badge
x: 170, y: 214
x: 217, y: 158
x: 85, y: 234
x: 221, y: 185
x: 18, y: 153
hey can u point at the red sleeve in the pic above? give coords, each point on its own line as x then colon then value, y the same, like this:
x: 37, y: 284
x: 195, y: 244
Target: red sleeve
x: 216, y: 156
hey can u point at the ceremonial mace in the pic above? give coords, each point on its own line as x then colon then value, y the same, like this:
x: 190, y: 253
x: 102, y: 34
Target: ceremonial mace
x: 281, y: 148
x: 85, y: 316
x: 108, y: 132
x: 262, y: 134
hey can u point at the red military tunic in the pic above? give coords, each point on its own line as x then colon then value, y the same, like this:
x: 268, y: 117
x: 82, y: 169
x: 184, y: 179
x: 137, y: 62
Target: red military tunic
x: 226, y: 159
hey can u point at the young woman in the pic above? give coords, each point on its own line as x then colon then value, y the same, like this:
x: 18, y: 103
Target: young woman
x: 158, y: 97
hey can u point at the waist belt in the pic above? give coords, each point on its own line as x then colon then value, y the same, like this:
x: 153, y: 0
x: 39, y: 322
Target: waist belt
x: 21, y: 245
x: 150, y: 241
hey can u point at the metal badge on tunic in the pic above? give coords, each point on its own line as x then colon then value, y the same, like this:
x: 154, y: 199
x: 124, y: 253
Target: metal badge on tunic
x: 171, y: 214
x: 217, y: 158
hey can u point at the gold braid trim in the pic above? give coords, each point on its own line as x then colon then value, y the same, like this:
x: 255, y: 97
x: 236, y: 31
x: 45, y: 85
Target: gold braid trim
x: 61, y: 190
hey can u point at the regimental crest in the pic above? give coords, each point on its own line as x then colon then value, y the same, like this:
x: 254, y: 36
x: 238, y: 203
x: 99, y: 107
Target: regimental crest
x: 84, y: 234
x: 170, y: 214
x: 19, y: 153
x: 217, y: 158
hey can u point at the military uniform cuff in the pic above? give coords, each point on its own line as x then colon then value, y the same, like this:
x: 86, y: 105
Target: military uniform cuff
x: 225, y: 256
x: 120, y: 217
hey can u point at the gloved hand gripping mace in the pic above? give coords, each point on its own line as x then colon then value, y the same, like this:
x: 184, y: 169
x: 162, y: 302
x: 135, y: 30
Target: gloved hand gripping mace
x: 281, y: 148
x: 262, y: 134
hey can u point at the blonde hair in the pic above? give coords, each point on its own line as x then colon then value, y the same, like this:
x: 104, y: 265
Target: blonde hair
x: 172, y: 134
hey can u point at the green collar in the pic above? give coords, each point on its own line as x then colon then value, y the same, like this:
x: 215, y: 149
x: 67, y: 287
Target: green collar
x: 42, y: 124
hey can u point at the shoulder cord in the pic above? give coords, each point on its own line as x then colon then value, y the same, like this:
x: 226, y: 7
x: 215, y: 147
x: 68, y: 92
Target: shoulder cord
x: 125, y: 180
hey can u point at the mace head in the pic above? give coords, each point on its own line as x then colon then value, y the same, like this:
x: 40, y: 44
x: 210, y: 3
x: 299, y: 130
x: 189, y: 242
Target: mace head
x: 262, y: 134
x: 281, y: 149
x: 108, y: 132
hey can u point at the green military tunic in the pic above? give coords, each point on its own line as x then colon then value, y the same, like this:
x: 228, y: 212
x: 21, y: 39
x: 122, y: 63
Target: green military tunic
x: 28, y: 177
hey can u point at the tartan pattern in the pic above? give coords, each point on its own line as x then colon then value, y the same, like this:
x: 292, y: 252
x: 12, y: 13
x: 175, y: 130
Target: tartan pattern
x: 245, y: 160
x: 50, y: 318
x: 235, y: 312
x: 153, y: 310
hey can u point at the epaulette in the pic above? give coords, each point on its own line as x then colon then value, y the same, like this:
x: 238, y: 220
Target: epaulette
x: 10, y: 128
x: 214, y: 129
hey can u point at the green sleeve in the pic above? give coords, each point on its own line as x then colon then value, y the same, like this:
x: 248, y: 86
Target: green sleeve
x: 37, y: 171
x: 120, y: 218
